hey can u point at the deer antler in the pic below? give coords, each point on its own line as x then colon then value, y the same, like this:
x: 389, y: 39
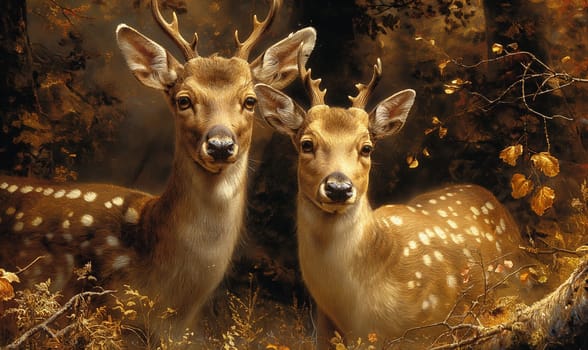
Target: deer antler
x: 172, y: 29
x: 364, y: 91
x: 244, y: 48
x: 317, y: 96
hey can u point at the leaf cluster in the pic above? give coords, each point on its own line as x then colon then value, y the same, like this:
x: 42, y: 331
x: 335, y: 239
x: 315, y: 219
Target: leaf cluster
x: 543, y: 165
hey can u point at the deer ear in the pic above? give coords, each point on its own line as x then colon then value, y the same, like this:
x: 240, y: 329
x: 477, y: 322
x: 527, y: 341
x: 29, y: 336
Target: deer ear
x: 279, y: 110
x: 390, y: 115
x: 278, y: 65
x: 151, y: 64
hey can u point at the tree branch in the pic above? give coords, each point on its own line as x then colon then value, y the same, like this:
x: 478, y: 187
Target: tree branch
x: 44, y: 326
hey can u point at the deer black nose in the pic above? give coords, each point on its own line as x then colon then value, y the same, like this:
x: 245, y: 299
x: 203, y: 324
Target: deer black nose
x: 220, y: 143
x: 220, y: 149
x: 338, y: 187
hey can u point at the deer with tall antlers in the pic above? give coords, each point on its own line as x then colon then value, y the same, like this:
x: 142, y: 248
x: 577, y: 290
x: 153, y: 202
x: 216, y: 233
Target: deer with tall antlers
x: 175, y: 247
x: 399, y: 266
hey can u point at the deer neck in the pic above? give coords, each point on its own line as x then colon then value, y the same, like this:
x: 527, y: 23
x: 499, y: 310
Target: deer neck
x: 327, y: 232
x: 200, y: 211
x: 328, y: 246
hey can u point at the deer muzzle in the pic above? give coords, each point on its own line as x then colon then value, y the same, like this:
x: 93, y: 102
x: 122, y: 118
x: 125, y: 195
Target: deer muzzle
x: 337, y: 188
x: 219, y: 145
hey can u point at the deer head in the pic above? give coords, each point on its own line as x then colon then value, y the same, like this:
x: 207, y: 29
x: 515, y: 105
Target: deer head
x: 334, y: 144
x: 212, y: 98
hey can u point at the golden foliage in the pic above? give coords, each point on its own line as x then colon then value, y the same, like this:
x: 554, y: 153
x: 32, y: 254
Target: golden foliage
x: 443, y: 65
x: 546, y: 163
x: 35, y: 305
x: 10, y: 277
x: 6, y: 280
x: 521, y: 186
x: 246, y: 321
x: 497, y: 49
x: 442, y: 132
x: 6, y: 290
x: 338, y: 343
x: 510, y: 154
x: 64, y: 18
x: 412, y: 161
x: 454, y: 86
x: 437, y: 125
x: 542, y: 200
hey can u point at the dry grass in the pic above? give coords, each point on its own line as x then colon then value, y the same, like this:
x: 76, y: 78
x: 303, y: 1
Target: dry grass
x: 243, y: 319
x: 39, y: 319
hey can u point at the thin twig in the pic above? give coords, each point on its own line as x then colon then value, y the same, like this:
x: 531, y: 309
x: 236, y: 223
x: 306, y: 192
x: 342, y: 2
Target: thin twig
x: 20, y: 270
x: 548, y: 74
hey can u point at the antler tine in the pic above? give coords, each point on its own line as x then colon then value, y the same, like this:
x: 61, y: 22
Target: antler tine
x: 364, y: 91
x: 317, y: 96
x: 172, y: 29
x: 244, y: 48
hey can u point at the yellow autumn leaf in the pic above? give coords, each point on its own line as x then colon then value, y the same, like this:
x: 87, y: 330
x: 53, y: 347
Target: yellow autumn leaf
x: 412, y: 162
x: 6, y: 290
x: 442, y: 66
x: 513, y: 46
x: 449, y: 89
x: 542, y: 200
x: 442, y: 132
x: 546, y: 163
x: 497, y: 48
x: 9, y: 276
x: 510, y: 154
x: 521, y: 186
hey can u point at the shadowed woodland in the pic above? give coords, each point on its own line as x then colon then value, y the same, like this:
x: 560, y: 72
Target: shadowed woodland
x: 501, y: 102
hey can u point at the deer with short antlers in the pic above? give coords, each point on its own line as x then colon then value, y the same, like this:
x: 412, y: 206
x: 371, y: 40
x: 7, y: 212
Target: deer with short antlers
x: 176, y: 247
x: 386, y: 270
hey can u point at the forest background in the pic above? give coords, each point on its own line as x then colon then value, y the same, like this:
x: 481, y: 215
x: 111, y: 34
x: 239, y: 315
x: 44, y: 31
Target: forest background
x: 501, y: 102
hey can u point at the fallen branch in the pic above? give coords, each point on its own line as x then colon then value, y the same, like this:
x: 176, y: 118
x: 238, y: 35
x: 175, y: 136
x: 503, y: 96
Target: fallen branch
x: 554, y: 321
x: 44, y: 326
x: 557, y: 319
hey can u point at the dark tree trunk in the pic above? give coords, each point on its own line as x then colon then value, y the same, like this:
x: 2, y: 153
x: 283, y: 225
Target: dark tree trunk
x: 17, y: 93
x: 331, y: 59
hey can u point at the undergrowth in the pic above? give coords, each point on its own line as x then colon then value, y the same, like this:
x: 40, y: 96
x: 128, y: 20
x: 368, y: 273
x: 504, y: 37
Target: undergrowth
x: 38, y: 318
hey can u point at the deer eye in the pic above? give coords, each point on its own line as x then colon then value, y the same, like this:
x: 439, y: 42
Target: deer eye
x: 249, y: 103
x: 306, y: 146
x: 184, y: 102
x: 366, y: 150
